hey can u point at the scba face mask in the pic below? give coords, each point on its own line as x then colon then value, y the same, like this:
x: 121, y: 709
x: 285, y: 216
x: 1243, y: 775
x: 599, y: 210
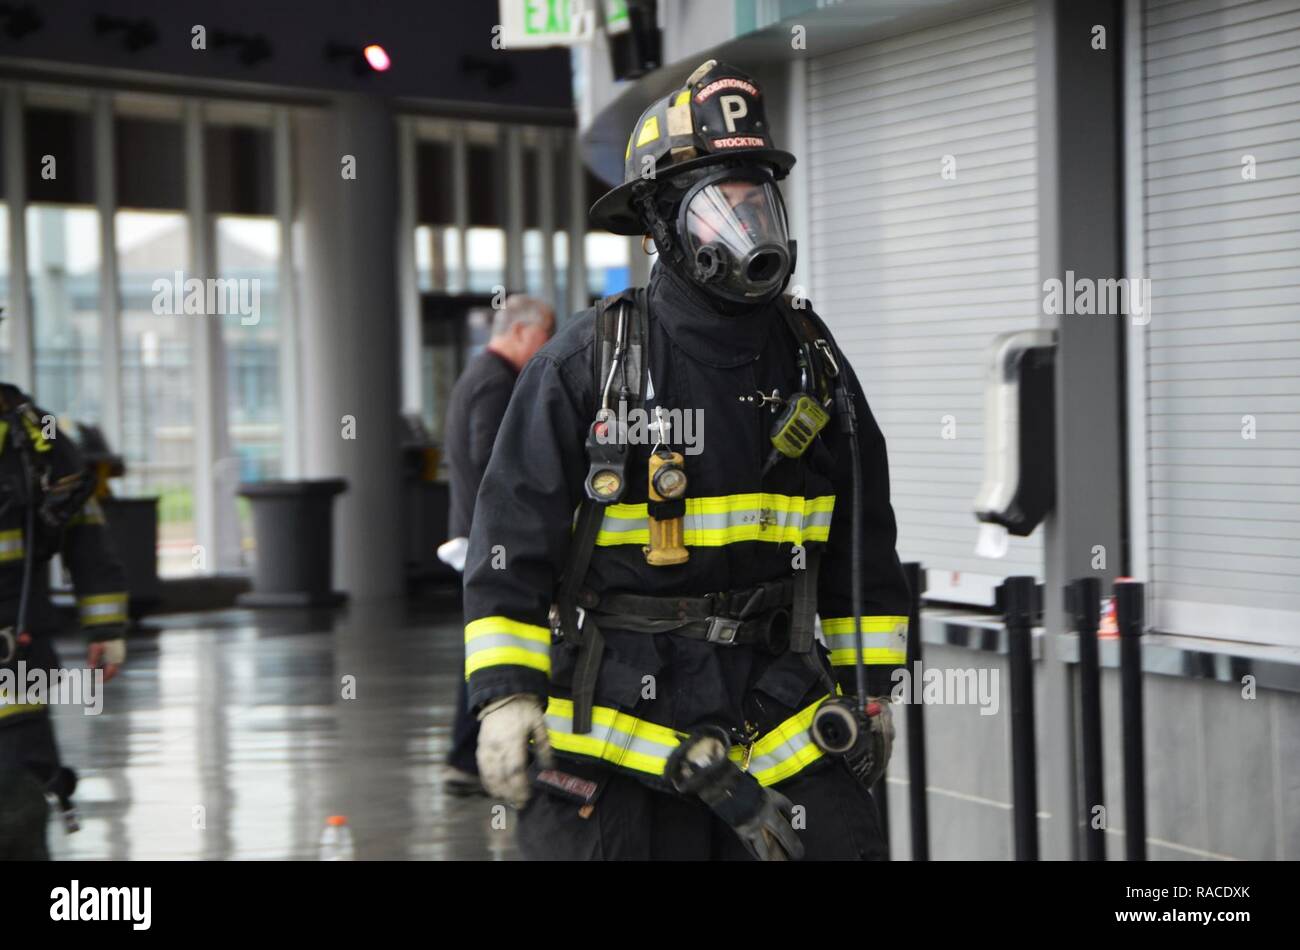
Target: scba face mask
x: 735, y: 242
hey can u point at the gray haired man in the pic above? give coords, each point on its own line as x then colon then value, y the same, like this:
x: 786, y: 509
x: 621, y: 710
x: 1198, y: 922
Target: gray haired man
x: 478, y: 404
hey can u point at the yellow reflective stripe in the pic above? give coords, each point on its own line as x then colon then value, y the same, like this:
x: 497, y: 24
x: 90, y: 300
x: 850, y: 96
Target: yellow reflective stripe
x: 18, y: 709
x: 649, y: 131
x: 834, y: 626
x: 884, y: 639
x: 616, y: 737
x: 35, y: 434
x: 635, y: 744
x: 729, y: 519
x: 485, y: 626
x: 785, y: 751
x: 97, y: 610
x: 874, y: 656
x: 500, y: 641
x: 11, y: 545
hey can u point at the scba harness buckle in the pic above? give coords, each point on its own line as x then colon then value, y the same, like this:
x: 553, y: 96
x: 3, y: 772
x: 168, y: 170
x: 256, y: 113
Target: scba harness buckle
x: 723, y: 630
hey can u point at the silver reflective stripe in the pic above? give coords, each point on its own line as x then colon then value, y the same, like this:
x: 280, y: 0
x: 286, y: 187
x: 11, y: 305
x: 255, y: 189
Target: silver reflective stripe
x: 488, y: 641
x: 742, y: 523
x: 607, y: 742
x: 102, y: 606
x: 11, y: 545
x: 893, y: 639
x: 784, y: 754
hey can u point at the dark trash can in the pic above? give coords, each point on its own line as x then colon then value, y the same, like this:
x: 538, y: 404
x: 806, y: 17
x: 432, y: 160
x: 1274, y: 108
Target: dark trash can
x: 133, y: 526
x: 293, y: 528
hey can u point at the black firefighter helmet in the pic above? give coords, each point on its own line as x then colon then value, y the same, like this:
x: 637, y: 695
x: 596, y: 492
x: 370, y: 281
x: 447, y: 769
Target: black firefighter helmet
x: 699, y: 175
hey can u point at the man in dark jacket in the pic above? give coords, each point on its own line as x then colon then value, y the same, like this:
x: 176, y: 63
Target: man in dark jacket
x: 46, y: 508
x: 474, y: 413
x: 655, y: 656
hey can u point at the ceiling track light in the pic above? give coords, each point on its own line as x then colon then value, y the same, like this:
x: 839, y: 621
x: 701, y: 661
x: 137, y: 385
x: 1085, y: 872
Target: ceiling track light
x: 136, y: 33
x: 365, y: 59
x: 20, y: 19
x: 252, y: 49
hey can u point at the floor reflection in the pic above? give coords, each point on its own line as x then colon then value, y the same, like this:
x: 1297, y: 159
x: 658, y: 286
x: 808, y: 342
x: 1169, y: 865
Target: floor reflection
x: 235, y: 734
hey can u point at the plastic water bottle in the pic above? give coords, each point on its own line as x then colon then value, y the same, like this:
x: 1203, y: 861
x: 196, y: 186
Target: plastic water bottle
x: 336, y: 840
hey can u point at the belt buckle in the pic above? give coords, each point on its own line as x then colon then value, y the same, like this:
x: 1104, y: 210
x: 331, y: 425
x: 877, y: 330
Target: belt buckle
x: 723, y: 630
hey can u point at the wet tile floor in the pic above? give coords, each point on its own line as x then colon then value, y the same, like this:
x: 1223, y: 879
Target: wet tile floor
x: 227, y: 737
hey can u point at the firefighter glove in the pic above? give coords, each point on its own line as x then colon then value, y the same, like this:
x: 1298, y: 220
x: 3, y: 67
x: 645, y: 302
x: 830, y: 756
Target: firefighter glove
x: 506, y: 727
x: 761, y: 817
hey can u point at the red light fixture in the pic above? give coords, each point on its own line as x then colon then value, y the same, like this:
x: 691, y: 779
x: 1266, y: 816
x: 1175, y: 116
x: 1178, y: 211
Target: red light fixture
x: 377, y: 57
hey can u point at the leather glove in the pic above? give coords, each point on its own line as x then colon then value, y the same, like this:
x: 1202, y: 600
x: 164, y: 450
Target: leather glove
x: 506, y: 726
x: 761, y: 817
x: 870, y: 765
x: 110, y: 654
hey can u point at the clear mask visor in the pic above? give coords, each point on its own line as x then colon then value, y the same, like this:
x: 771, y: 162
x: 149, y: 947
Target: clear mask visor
x: 736, y: 235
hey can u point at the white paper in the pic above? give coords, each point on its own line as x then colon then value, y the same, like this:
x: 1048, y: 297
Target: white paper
x: 992, y: 540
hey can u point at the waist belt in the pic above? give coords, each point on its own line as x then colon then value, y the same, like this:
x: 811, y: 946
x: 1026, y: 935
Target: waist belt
x: 758, y: 615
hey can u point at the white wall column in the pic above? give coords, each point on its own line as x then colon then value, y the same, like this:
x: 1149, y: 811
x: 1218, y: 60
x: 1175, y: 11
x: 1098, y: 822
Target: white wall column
x: 110, y: 303
x: 408, y: 284
x: 351, y: 395
x: 215, y: 470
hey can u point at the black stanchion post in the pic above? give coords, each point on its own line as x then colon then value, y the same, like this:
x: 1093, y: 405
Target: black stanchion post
x: 1129, y: 617
x: 1018, y: 606
x: 880, y: 793
x: 1084, y: 603
x: 916, y: 778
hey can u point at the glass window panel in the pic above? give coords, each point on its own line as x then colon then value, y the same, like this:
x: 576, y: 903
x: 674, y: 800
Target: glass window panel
x: 608, y: 269
x: 437, y: 258
x: 63, y: 267
x: 533, y: 264
x: 248, y: 253
x: 487, y: 259
x: 158, y: 378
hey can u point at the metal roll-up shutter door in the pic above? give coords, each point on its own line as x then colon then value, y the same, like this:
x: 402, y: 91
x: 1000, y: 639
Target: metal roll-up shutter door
x: 916, y: 274
x: 1222, y: 82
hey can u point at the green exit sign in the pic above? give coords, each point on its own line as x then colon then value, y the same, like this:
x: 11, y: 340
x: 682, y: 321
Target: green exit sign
x: 534, y: 23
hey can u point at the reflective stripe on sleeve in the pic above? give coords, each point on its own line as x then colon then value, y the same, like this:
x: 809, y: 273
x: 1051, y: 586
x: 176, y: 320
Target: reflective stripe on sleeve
x: 98, y: 610
x: 884, y: 639
x: 11, y: 545
x: 500, y: 641
x: 19, y: 709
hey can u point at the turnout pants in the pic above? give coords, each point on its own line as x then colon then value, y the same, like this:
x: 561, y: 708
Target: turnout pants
x: 631, y: 821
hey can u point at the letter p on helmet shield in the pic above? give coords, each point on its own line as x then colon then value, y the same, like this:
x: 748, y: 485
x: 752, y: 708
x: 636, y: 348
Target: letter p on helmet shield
x: 733, y: 108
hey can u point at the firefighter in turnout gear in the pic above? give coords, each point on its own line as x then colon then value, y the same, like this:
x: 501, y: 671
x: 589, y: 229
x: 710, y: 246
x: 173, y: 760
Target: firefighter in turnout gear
x: 667, y: 510
x: 46, y: 508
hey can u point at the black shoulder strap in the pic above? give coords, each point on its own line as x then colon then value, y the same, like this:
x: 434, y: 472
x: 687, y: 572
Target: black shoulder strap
x: 629, y: 381
x: 625, y: 382
x: 816, y: 345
